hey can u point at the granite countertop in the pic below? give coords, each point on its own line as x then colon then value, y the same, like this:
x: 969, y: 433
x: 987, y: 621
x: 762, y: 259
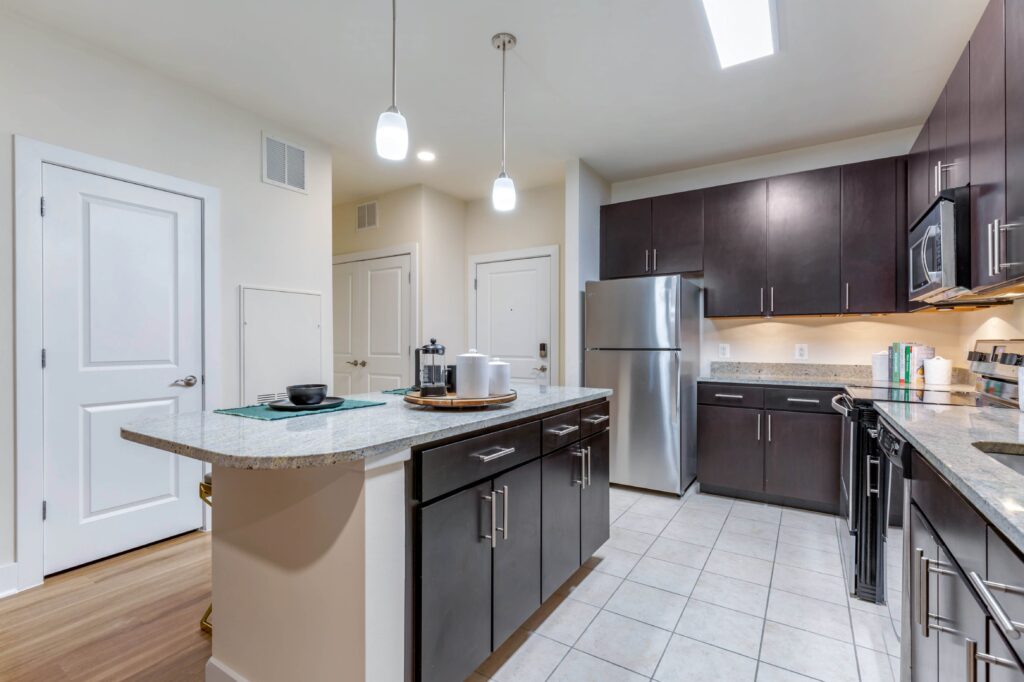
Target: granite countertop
x: 346, y: 436
x: 944, y: 436
x: 826, y: 382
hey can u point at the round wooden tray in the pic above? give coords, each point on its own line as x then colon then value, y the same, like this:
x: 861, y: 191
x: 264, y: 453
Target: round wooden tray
x: 453, y: 402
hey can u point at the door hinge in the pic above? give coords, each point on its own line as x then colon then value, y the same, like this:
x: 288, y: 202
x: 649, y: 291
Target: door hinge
x: 44, y: 510
x: 42, y: 206
x: 474, y: 284
x: 43, y: 358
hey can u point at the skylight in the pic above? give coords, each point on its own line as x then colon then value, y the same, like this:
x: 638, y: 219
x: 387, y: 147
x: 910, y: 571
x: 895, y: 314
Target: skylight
x: 743, y: 30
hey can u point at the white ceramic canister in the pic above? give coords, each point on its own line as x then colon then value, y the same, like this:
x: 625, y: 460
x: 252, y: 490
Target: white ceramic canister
x: 938, y: 371
x: 471, y: 375
x: 500, y: 377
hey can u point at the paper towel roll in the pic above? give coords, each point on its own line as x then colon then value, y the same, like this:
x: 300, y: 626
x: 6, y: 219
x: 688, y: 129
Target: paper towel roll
x: 880, y: 366
x: 938, y: 371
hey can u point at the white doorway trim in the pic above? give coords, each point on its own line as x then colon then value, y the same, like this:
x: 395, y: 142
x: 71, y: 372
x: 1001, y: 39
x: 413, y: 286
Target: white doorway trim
x: 410, y: 249
x: 29, y: 157
x: 555, y: 312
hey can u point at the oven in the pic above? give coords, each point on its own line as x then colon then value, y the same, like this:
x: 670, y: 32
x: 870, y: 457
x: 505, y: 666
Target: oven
x: 939, y: 249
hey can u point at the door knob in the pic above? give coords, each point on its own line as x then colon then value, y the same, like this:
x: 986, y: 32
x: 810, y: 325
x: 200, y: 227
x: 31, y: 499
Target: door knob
x: 362, y: 363
x: 187, y: 382
x: 354, y: 363
x: 542, y: 368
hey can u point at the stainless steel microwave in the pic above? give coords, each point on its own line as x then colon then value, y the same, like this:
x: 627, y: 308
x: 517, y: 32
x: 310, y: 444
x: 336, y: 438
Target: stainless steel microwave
x: 939, y: 249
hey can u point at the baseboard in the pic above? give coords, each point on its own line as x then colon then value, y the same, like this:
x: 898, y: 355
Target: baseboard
x: 218, y: 672
x: 8, y: 580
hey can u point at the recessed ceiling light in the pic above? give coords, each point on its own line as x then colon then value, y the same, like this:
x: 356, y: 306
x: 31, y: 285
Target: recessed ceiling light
x: 743, y: 30
x: 425, y: 155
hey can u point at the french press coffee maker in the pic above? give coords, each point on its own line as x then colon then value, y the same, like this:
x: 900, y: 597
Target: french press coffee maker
x: 431, y: 371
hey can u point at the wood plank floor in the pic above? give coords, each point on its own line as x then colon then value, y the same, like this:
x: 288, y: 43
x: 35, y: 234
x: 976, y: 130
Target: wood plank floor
x: 134, y: 616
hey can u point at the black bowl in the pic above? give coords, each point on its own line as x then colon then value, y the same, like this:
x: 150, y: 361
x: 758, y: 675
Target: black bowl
x: 307, y: 394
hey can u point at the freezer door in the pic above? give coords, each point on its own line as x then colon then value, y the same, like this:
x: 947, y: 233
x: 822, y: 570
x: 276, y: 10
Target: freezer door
x: 633, y: 313
x: 645, y: 415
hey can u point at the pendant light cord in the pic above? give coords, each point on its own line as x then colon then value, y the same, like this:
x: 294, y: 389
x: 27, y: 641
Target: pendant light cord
x: 503, y: 145
x: 394, y: 54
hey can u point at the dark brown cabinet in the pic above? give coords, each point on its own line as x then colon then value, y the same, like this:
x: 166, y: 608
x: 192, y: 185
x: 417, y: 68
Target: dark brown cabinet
x: 677, y: 233
x: 594, y: 495
x: 516, y: 591
x: 1013, y: 237
x: 626, y: 239
x: 936, y: 143
x: 961, y: 620
x: 561, y: 475
x: 955, y: 170
x: 924, y: 645
x: 730, y: 454
x: 868, y: 228
x: 735, y: 235
x: 988, y: 145
x: 803, y: 243
x: 919, y: 181
x: 802, y: 452
x: 455, y: 561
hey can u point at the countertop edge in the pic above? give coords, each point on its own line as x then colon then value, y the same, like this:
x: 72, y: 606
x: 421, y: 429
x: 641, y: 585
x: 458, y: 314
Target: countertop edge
x: 284, y: 462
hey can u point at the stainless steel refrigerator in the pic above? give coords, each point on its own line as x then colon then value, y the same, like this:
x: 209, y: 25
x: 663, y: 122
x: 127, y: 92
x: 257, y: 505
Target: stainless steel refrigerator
x: 642, y: 339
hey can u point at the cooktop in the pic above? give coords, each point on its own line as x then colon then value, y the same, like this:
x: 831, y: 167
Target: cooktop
x: 924, y: 396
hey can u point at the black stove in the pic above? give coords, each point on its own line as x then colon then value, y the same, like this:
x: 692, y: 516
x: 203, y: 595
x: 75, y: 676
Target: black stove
x: 864, y: 396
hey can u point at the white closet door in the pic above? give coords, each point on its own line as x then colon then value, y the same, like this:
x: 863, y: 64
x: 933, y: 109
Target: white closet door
x: 122, y: 319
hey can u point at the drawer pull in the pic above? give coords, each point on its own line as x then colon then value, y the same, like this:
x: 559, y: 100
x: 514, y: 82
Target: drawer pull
x: 1009, y: 628
x: 599, y: 419
x: 500, y: 452
x: 806, y: 401
x: 564, y: 430
x: 729, y: 396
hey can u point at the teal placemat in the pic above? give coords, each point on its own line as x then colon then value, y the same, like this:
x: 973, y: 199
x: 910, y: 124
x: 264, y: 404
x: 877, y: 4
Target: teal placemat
x: 397, y: 391
x: 265, y: 413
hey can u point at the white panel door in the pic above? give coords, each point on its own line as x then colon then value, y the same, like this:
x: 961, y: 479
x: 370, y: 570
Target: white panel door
x: 280, y: 342
x: 122, y: 328
x: 372, y: 316
x: 513, y: 315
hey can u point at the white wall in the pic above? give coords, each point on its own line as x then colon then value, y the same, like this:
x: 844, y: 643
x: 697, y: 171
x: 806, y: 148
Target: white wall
x: 58, y: 91
x: 443, y: 258
x: 880, y: 145
x: 585, y: 192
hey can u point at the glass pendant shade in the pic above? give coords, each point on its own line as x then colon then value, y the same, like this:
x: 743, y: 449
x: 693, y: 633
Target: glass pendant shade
x: 392, y: 135
x: 503, y: 194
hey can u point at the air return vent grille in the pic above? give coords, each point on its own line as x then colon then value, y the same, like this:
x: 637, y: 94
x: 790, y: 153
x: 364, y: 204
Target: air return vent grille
x: 284, y: 164
x: 366, y: 217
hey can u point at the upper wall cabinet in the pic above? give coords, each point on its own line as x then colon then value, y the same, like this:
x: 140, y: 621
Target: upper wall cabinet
x: 677, y: 233
x: 735, y: 234
x: 659, y: 236
x: 1013, y: 236
x: 868, y: 228
x: 803, y: 243
x: 626, y: 239
x: 920, y: 180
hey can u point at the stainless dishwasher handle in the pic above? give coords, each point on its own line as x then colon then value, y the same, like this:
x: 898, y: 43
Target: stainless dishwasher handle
x: 504, y: 511
x: 600, y: 419
x: 807, y: 401
x: 729, y: 396
x: 563, y: 431
x: 838, y: 407
x: 501, y: 452
x: 1009, y: 628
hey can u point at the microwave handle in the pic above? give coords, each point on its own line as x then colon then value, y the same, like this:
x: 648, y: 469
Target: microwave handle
x: 930, y: 234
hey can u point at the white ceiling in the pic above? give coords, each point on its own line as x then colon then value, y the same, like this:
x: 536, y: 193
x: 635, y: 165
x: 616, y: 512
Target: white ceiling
x: 631, y: 86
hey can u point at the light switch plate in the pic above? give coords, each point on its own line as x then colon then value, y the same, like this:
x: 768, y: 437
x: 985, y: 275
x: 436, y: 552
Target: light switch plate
x: 723, y: 350
x: 800, y: 351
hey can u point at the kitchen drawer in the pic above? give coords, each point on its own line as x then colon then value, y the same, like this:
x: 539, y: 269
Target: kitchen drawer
x: 800, y: 399
x: 452, y: 466
x: 593, y: 419
x: 958, y: 526
x: 1006, y: 567
x: 560, y: 430
x: 730, y: 395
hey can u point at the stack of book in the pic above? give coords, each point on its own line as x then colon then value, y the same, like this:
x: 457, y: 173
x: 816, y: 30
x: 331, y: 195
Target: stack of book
x: 906, y: 362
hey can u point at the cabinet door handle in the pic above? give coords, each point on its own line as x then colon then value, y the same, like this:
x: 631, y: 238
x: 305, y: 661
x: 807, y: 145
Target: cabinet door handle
x: 868, y: 461
x: 599, y: 419
x: 729, y: 396
x: 504, y: 511
x: 655, y: 260
x: 500, y: 452
x: 759, y: 426
x: 971, y: 649
x: 582, y: 480
x: 563, y: 430
x: 988, y: 230
x: 1009, y: 628
x: 847, y: 296
x: 762, y: 300
x: 769, y: 427
x: 493, y: 537
x: 771, y: 295
x: 809, y: 401
x: 647, y: 260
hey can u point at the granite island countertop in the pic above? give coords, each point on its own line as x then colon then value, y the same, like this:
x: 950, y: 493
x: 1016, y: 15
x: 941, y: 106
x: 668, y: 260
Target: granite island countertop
x: 827, y: 382
x: 346, y: 436
x: 944, y: 436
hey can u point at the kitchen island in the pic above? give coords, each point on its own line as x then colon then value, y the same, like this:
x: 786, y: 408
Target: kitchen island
x: 363, y: 544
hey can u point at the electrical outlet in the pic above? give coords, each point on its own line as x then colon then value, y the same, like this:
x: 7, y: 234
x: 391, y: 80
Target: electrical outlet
x: 800, y: 351
x: 723, y: 350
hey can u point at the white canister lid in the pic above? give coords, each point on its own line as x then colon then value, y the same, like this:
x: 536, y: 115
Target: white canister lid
x: 498, y: 362
x: 473, y: 353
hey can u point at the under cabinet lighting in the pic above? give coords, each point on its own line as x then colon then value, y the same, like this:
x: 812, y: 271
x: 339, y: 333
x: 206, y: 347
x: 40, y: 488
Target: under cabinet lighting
x: 426, y: 155
x: 743, y: 30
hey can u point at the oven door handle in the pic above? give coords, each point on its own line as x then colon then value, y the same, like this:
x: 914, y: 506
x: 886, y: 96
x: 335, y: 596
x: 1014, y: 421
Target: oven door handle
x: 839, y: 406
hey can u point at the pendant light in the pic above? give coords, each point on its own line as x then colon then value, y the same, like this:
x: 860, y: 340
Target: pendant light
x: 503, y: 194
x: 392, y: 131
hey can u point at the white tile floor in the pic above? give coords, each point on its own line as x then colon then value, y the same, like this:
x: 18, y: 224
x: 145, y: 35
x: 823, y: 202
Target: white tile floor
x: 705, y: 588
